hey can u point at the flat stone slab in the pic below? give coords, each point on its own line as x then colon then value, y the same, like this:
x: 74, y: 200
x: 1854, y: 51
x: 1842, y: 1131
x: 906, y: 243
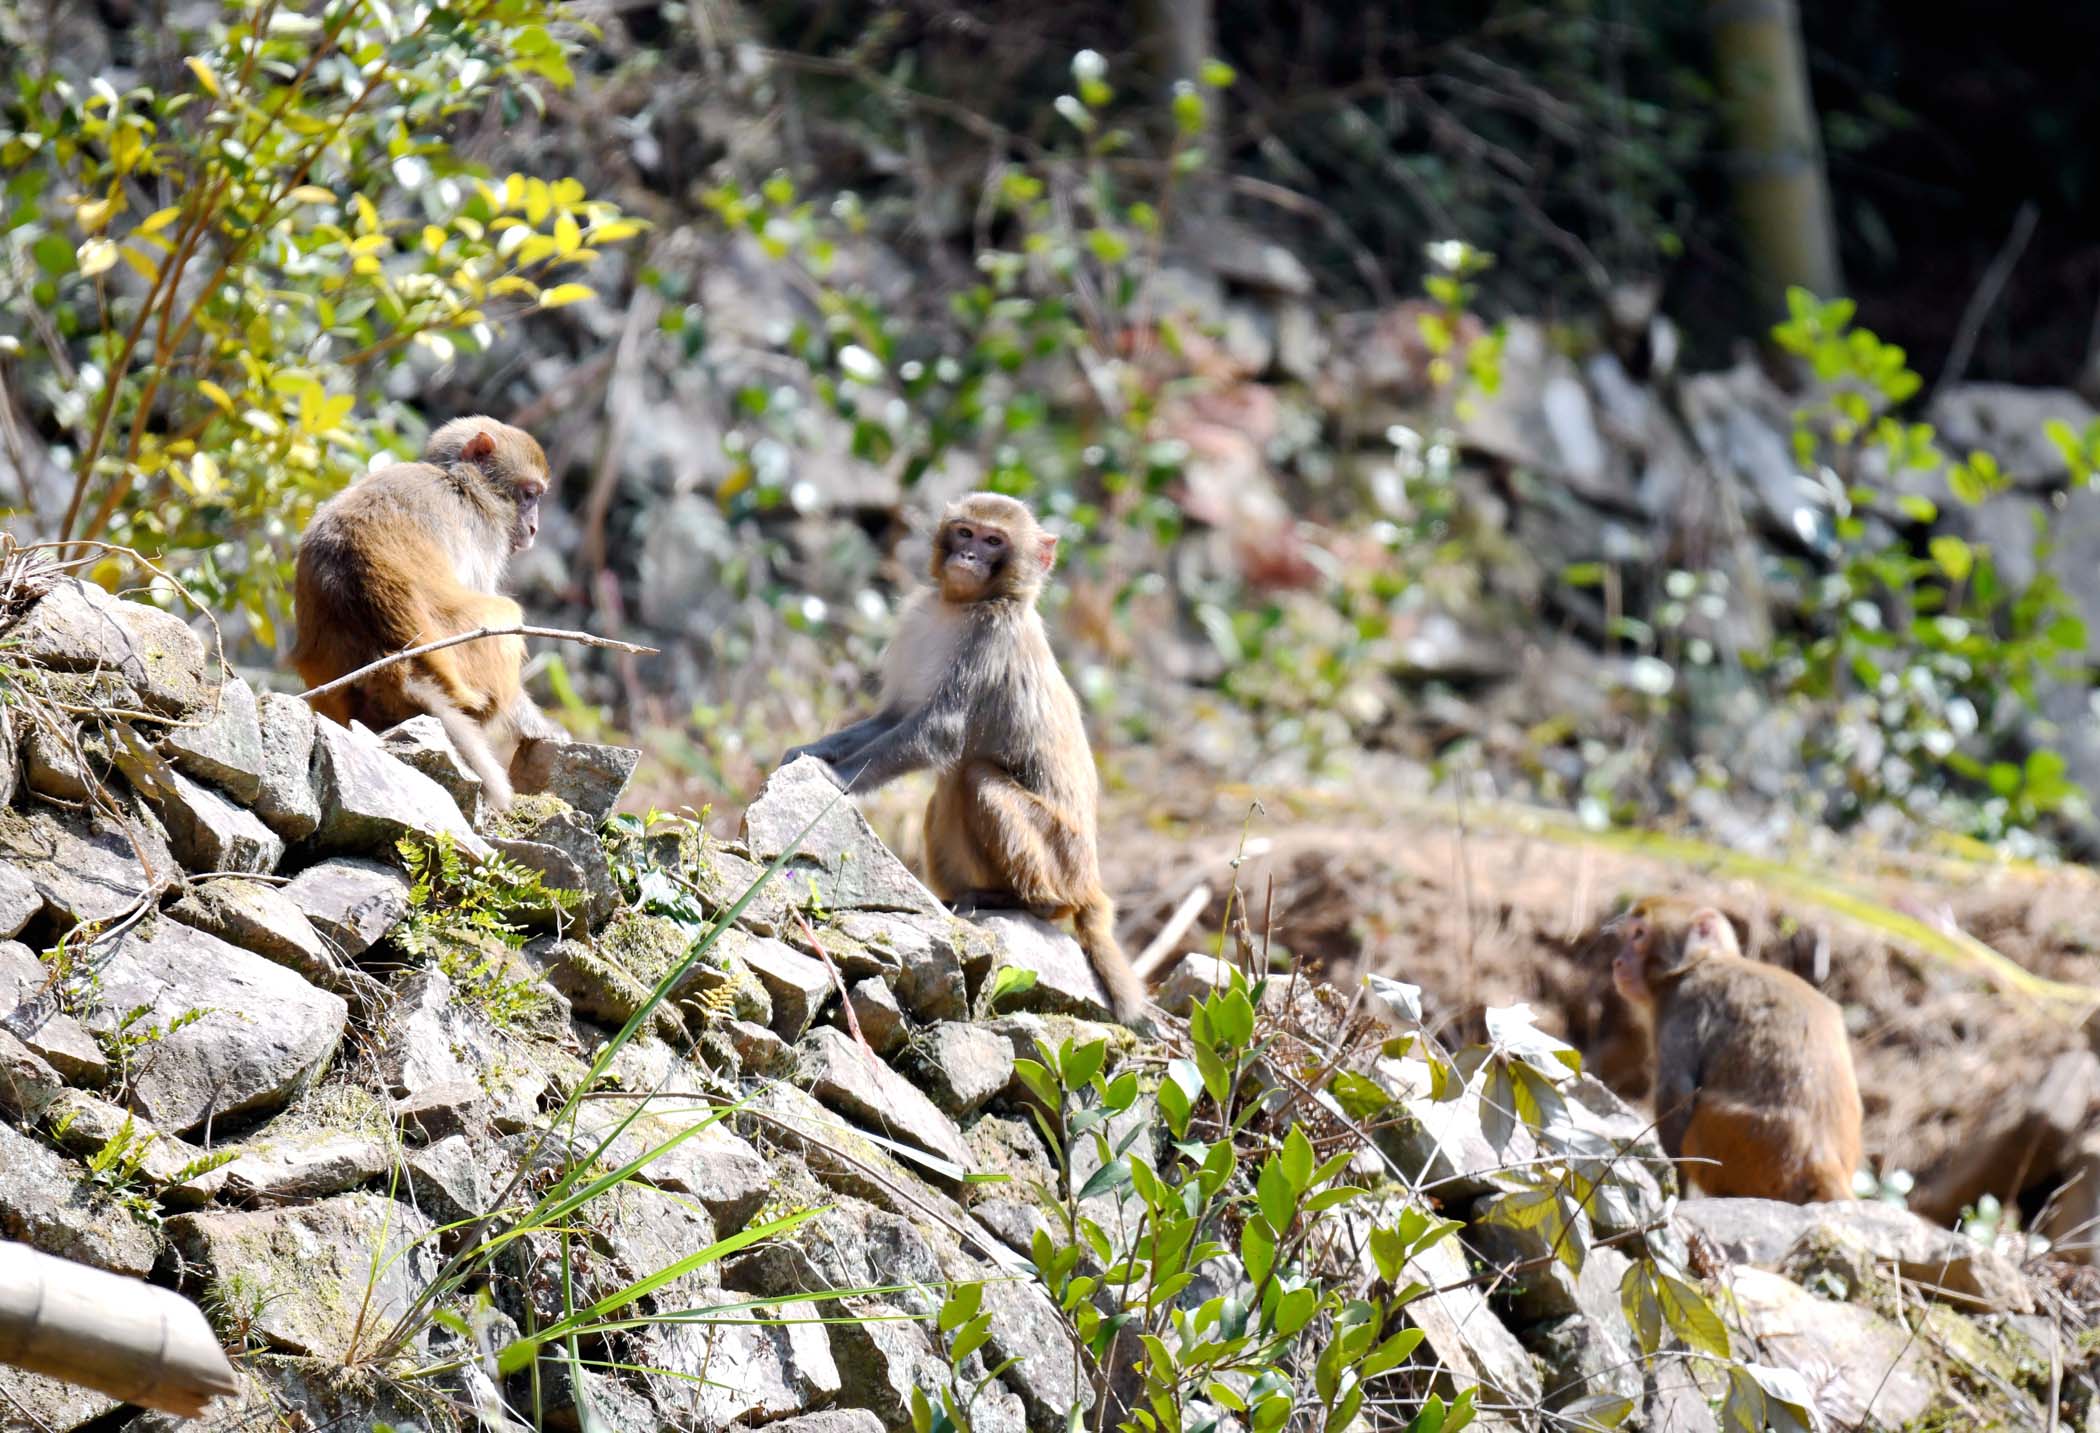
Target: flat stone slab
x: 225, y: 748
x: 848, y: 1079
x: 285, y: 797
x: 369, y: 801
x: 259, y: 1034
x: 262, y: 919
x: 350, y: 902
x: 309, y: 1267
x: 30, y: 1010
x: 1065, y: 983
x: 589, y: 778
x: 851, y: 867
x: 84, y: 868
x: 311, y: 1165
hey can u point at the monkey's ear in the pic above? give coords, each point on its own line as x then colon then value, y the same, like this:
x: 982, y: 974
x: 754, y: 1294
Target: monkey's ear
x: 479, y: 446
x: 1046, y: 550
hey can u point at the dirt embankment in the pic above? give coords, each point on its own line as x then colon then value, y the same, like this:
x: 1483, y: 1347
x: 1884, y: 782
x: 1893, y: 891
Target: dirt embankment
x: 1956, y: 1071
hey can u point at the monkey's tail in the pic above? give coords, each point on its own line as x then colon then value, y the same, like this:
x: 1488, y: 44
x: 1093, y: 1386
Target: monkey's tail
x: 1095, y: 924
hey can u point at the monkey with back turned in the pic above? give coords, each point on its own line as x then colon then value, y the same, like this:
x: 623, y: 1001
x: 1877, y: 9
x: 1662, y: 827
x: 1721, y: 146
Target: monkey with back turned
x: 971, y: 689
x: 410, y: 554
x: 1754, y: 1085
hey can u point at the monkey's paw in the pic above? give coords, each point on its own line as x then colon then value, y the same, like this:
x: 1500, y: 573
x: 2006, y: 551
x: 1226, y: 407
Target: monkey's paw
x: 831, y: 772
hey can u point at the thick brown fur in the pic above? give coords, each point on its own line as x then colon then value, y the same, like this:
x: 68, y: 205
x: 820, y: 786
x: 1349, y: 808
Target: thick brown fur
x: 972, y: 690
x: 414, y: 552
x: 1754, y: 1086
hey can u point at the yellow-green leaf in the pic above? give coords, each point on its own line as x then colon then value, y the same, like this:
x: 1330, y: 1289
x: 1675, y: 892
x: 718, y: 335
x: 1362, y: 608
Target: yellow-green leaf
x: 158, y: 220
x: 141, y: 264
x: 215, y: 393
x: 564, y: 294
x: 312, y: 194
x: 95, y: 256
x: 567, y: 236
x: 204, y: 75
x: 204, y: 475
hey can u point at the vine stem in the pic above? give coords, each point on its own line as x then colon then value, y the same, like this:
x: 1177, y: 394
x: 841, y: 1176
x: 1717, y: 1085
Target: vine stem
x: 558, y: 633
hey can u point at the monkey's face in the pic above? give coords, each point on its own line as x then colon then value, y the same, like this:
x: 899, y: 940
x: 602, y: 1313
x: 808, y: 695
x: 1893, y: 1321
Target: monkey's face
x: 1629, y: 967
x: 973, y: 555
x: 525, y: 526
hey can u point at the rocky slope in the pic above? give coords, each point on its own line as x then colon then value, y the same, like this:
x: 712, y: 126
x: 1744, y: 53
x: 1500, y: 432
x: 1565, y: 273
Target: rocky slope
x: 258, y: 1048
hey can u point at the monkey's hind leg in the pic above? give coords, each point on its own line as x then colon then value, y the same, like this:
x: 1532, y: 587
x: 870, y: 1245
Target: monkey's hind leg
x: 1736, y: 1150
x: 1048, y: 867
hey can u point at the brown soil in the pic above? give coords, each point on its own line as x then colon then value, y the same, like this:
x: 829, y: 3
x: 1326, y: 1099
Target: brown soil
x: 1480, y: 915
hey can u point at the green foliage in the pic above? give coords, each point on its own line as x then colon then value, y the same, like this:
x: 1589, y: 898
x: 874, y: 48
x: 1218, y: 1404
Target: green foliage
x: 1935, y: 653
x: 469, y: 917
x: 1053, y: 309
x: 206, y: 284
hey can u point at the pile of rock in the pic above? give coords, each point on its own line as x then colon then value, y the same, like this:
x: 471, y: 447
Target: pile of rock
x: 224, y: 1071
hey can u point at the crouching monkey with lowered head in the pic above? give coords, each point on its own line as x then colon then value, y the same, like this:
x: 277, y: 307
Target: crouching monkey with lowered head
x: 1753, y: 1073
x: 971, y: 689
x: 413, y: 553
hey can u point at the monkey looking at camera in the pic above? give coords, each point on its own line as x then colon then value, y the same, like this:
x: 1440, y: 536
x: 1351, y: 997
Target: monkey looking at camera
x: 1753, y: 1073
x: 410, y: 554
x: 971, y: 689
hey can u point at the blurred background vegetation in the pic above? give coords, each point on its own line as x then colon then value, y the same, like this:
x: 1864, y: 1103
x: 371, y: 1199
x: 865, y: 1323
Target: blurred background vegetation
x: 1675, y: 417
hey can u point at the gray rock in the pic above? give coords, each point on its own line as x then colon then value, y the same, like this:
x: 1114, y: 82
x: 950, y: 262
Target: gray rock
x: 86, y: 1124
x: 440, y: 1111
x: 264, y: 919
x: 2009, y: 422
x: 427, y: 1039
x: 1027, y: 1327
x: 722, y: 877
x: 226, y: 748
x: 644, y: 1230
x: 880, y: 943
x: 421, y: 743
x: 612, y: 976
x: 960, y: 1066
x: 30, y: 1010
x: 759, y: 1052
x: 1544, y: 1287
x: 208, y: 832
x: 1460, y: 1331
x: 20, y: 902
x: 77, y: 627
x: 742, y: 1367
x: 350, y: 902
x: 1065, y: 983
x: 882, y: 1356
x: 456, y: 1178
x: 307, y: 1273
x: 1947, y: 1265
x: 285, y: 796
x: 564, y: 849
x: 1196, y: 977
x: 798, y: 986
x: 28, y: 1084
x: 717, y: 1168
x: 48, y: 1203
x: 48, y: 1406
x: 310, y: 1165
x: 369, y: 801
x: 51, y: 767
x: 875, y: 1011
x: 263, y: 1035
x: 84, y: 867
x: 589, y: 778
x: 831, y: 1420
x: 848, y: 1079
x: 1855, y: 1360
x: 840, y: 854
x: 920, y: 957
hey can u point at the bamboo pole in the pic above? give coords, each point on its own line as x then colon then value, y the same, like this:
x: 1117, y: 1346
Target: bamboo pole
x: 118, y: 1336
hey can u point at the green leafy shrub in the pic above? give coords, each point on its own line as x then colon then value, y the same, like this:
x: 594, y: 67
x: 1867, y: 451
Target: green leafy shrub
x: 204, y: 284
